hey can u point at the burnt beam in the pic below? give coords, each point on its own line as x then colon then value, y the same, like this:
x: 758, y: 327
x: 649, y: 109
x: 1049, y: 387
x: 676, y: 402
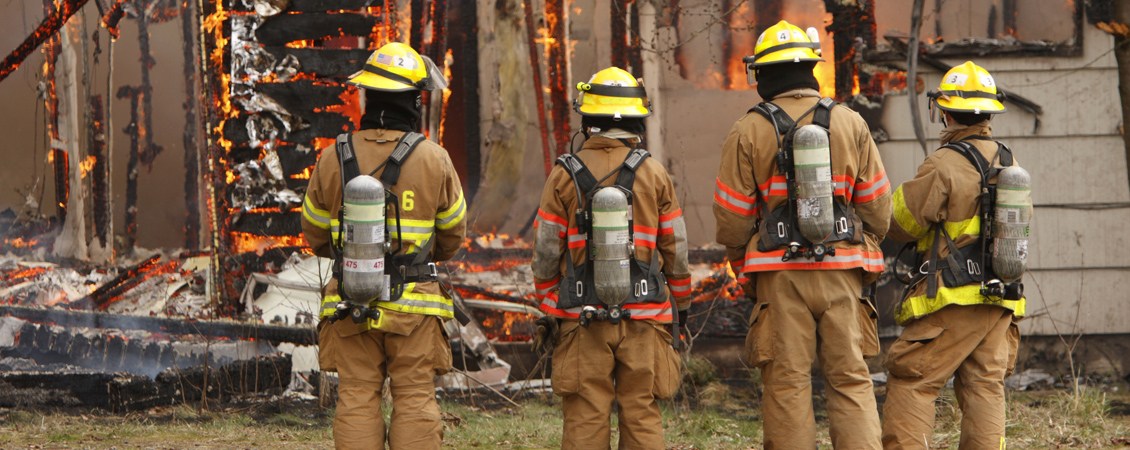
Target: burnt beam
x: 323, y: 63
x: 46, y: 29
x: 191, y: 130
x: 178, y: 327
x: 555, y: 17
x: 98, y: 177
x: 539, y: 93
x: 285, y: 28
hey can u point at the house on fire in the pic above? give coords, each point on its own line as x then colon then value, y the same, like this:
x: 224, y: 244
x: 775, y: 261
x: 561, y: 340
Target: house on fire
x: 159, y: 123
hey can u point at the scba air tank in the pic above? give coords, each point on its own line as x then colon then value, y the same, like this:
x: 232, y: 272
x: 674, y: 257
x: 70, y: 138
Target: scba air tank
x: 363, y: 267
x: 1012, y: 213
x: 812, y: 163
x: 613, y: 246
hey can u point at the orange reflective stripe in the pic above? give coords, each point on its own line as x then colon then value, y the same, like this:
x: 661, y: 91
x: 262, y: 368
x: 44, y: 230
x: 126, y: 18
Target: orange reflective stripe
x: 680, y: 288
x: 872, y: 189
x: 732, y: 200
x: 552, y: 218
x: 844, y: 259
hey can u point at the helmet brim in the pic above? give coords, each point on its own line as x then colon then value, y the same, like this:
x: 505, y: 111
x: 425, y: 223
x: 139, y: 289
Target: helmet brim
x: 786, y: 56
x: 971, y: 105
x: 376, y: 82
x: 626, y: 111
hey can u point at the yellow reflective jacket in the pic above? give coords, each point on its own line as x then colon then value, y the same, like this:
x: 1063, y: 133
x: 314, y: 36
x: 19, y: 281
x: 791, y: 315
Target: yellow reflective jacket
x: 945, y: 192
x: 431, y: 207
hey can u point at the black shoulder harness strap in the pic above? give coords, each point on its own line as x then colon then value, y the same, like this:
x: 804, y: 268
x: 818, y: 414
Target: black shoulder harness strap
x: 577, y: 170
x: 404, y: 147
x: 347, y: 158
x: 822, y: 115
x: 587, y: 182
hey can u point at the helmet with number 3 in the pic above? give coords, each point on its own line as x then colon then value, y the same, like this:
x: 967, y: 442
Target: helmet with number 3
x: 397, y: 68
x: 968, y: 88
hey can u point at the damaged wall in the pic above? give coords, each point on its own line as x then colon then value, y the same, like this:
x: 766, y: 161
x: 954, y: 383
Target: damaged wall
x: 160, y: 190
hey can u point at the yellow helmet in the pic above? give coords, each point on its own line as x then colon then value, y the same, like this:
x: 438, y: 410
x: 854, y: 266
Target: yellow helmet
x: 968, y: 88
x: 397, y: 68
x: 613, y: 93
x: 785, y: 42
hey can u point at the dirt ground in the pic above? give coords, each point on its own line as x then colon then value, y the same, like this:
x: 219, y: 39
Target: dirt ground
x: 716, y: 415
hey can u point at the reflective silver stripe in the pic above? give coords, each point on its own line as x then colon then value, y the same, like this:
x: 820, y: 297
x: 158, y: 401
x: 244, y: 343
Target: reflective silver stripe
x: 844, y: 185
x: 878, y: 185
x: 731, y: 199
x: 774, y: 187
x: 859, y: 257
x: 641, y: 236
x: 651, y: 312
x: 418, y: 304
x: 411, y: 230
x: 314, y: 217
x: 679, y: 229
x: 458, y: 214
x: 577, y: 237
x: 547, y: 223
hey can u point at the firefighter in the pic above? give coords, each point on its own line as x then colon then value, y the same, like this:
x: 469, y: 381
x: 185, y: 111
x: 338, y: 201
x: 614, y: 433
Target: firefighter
x: 953, y: 326
x: 402, y: 336
x: 806, y: 285
x: 610, y: 266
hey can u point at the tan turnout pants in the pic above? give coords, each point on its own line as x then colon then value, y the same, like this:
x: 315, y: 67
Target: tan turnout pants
x: 631, y: 363
x: 977, y: 345
x: 411, y: 350
x: 799, y: 313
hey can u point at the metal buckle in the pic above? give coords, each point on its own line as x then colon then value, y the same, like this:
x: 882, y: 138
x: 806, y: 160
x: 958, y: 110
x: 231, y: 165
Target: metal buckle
x: 781, y: 229
x: 842, y: 225
x: 643, y: 287
x: 923, y: 269
x: 432, y: 268
x: 580, y: 289
x: 973, y: 267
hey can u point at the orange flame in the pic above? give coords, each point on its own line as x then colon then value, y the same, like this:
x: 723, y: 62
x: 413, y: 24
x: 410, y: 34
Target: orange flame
x: 87, y: 165
x: 247, y: 242
x: 304, y: 175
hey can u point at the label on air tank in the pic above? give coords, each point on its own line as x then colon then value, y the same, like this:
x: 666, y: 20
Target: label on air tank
x: 364, y: 265
x: 616, y: 237
x: 364, y: 233
x: 1013, y: 198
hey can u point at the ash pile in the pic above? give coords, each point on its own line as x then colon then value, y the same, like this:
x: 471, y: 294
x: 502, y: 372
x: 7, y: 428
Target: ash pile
x: 145, y: 332
x: 128, y: 337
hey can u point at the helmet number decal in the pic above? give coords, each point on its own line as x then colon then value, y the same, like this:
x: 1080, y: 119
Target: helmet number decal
x: 783, y: 36
x: 957, y: 79
x: 987, y: 80
x: 402, y: 62
x: 407, y: 201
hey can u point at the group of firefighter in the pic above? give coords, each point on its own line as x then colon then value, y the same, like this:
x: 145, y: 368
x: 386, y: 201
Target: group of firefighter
x: 801, y: 201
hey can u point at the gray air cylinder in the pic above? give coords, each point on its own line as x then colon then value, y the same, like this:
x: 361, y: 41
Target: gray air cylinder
x: 1011, y: 216
x: 363, y: 268
x: 613, y: 245
x: 813, y: 167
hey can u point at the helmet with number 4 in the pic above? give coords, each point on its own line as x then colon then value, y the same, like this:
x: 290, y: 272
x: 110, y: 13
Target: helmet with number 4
x: 785, y: 43
x: 397, y: 68
x: 968, y: 88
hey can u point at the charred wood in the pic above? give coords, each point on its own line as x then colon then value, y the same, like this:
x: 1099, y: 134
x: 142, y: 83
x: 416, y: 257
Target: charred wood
x: 285, y: 28
x: 106, y: 291
x: 321, y: 125
x: 99, y: 188
x: 191, y: 130
x: 46, y: 29
x: 635, y: 54
x: 322, y: 63
x: 619, y: 23
x: 215, y: 328
x: 556, y: 15
x: 281, y: 223
x: 131, y: 166
x: 539, y: 93
x: 418, y: 17
x: 308, y: 6
x: 853, y: 25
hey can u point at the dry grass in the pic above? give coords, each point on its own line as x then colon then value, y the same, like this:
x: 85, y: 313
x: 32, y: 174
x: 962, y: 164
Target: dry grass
x: 718, y: 417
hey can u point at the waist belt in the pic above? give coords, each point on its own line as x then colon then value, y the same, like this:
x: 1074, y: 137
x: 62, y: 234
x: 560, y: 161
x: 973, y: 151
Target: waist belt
x: 412, y: 273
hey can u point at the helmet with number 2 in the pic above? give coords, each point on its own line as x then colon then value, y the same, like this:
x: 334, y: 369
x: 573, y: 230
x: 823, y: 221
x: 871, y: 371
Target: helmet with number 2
x: 968, y: 88
x: 397, y: 68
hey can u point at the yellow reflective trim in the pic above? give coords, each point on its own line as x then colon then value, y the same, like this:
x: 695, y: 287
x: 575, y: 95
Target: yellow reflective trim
x: 971, y: 227
x: 447, y: 219
x: 329, y: 305
x: 319, y: 217
x: 968, y: 295
x: 411, y: 222
x: 904, y: 217
x: 447, y: 311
